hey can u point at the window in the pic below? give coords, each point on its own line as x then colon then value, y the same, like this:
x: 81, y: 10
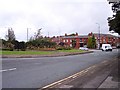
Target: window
x: 67, y: 40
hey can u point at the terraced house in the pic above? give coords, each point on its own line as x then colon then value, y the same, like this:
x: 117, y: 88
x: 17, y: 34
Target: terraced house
x: 81, y: 40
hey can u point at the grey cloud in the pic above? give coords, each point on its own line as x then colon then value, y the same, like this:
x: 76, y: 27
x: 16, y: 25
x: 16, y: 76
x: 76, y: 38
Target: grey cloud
x: 59, y: 17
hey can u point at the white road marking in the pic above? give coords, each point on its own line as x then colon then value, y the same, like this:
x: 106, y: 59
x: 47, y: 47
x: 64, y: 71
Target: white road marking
x: 12, y: 69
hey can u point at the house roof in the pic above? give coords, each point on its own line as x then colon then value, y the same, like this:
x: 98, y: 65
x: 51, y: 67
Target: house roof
x: 73, y: 37
x: 104, y: 35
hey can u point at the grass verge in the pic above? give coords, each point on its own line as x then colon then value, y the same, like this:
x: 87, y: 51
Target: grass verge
x: 72, y: 51
x: 39, y: 52
x: 26, y: 52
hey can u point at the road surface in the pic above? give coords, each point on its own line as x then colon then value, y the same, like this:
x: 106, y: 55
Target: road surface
x: 39, y: 72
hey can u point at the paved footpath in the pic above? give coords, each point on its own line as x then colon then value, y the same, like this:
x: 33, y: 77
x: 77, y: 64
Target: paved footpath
x: 104, y: 75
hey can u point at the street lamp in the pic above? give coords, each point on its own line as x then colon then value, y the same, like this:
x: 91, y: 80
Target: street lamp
x: 98, y: 35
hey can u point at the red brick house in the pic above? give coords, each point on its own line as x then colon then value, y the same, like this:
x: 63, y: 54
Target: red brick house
x: 81, y: 40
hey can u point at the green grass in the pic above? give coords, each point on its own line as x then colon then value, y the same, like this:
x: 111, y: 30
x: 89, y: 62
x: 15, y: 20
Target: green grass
x: 26, y: 53
x: 71, y: 51
x: 38, y: 52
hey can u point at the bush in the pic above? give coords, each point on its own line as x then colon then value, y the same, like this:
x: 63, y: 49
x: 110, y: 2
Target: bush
x: 59, y: 48
x: 7, y: 49
x: 11, y: 49
x: 64, y: 48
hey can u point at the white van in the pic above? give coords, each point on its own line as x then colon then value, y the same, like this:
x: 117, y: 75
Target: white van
x: 106, y: 47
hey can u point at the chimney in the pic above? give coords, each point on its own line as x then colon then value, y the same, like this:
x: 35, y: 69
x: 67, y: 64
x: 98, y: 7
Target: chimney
x: 65, y: 34
x: 76, y: 34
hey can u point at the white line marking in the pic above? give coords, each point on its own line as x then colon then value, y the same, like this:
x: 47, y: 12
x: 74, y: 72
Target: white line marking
x: 12, y: 69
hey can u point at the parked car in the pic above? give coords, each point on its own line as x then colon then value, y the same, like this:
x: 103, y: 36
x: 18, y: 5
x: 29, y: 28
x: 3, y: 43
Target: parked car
x: 83, y: 48
x: 106, y: 47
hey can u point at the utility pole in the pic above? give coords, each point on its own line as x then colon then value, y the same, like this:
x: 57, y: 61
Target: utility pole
x: 48, y: 34
x: 27, y: 34
x: 98, y: 35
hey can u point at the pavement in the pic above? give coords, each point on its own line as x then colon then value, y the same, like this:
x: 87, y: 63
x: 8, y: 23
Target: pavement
x: 113, y: 79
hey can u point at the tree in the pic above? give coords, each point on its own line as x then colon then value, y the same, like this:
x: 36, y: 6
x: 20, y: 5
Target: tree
x: 114, y: 23
x: 11, y: 36
x: 22, y: 46
x: 16, y: 44
x: 91, y: 42
x: 38, y: 35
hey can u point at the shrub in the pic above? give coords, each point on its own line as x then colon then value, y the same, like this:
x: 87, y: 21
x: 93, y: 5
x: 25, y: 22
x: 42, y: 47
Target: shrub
x: 7, y: 49
x: 64, y: 48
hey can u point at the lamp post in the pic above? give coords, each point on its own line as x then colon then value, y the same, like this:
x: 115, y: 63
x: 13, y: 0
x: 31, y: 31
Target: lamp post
x: 98, y: 35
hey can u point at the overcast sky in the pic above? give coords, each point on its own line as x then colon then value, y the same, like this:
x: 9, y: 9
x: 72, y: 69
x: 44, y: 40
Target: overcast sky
x: 54, y: 16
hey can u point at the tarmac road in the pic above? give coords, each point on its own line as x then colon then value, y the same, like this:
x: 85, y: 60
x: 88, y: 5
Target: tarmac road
x: 39, y: 72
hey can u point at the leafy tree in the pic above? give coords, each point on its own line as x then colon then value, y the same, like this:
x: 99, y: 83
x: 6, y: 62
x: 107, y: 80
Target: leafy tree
x: 38, y: 34
x: 10, y: 39
x: 11, y: 36
x: 22, y: 46
x: 114, y: 22
x: 16, y: 44
x: 91, y: 42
